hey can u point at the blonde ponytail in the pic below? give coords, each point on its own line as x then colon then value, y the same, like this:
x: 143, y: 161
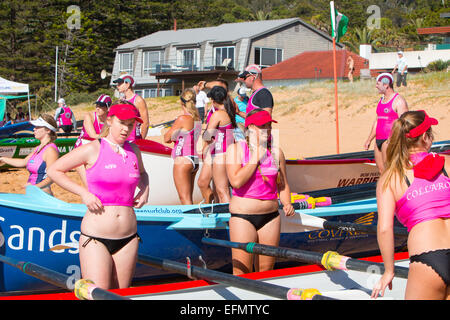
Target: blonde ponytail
x: 398, y: 150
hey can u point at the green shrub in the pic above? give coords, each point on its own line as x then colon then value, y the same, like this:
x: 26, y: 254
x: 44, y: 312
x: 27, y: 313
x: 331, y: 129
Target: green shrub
x: 438, y: 65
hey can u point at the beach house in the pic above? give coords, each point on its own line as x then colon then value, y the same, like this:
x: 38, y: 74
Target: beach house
x: 165, y: 62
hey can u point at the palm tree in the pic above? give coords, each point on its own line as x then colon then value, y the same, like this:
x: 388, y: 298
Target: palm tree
x: 260, y: 15
x: 360, y: 36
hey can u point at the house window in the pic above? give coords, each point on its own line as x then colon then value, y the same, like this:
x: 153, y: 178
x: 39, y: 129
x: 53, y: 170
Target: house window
x: 268, y: 56
x: 223, y: 53
x: 126, y: 62
x: 151, y: 59
x: 189, y: 57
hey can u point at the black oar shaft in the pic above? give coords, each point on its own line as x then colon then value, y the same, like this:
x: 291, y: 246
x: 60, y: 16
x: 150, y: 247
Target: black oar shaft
x: 56, y: 278
x: 304, y: 256
x: 215, y: 276
x: 219, y: 277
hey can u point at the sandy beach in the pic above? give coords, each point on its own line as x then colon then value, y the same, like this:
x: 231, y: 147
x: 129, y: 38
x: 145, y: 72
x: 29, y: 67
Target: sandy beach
x: 306, y: 118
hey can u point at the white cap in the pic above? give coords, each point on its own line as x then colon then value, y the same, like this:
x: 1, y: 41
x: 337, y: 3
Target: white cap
x: 386, y: 78
x: 400, y: 52
x: 42, y: 123
x: 61, y: 100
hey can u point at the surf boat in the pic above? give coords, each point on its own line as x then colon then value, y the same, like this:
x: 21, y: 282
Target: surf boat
x: 307, y: 282
x: 20, y: 147
x: 37, y: 227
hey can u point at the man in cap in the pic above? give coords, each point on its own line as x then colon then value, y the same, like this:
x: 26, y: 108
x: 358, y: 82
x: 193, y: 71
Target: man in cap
x: 261, y: 97
x: 64, y: 117
x: 390, y: 107
x: 402, y: 67
x: 125, y: 84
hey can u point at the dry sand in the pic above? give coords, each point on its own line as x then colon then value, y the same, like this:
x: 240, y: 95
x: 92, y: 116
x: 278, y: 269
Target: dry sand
x: 306, y: 118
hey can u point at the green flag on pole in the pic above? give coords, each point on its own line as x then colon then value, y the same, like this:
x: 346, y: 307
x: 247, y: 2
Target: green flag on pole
x: 339, y: 23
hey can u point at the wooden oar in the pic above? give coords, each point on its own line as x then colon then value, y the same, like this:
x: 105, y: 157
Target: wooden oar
x: 84, y: 289
x: 231, y: 280
x: 330, y: 260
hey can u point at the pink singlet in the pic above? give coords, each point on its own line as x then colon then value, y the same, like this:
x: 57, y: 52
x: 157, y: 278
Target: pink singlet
x: 210, y: 112
x: 222, y: 139
x: 84, y: 135
x: 186, y: 142
x: 250, y: 105
x: 386, y: 117
x: 136, y: 132
x: 114, y: 177
x: 37, y: 166
x: 256, y: 187
x: 65, y: 118
x: 424, y: 199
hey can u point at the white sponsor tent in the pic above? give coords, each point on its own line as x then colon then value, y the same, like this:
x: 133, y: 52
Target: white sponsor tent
x: 8, y: 87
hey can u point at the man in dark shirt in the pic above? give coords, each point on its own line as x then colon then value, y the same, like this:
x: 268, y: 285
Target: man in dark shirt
x: 261, y: 96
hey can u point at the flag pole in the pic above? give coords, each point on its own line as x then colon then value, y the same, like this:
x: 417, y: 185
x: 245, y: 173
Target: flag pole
x: 334, y: 33
x: 336, y: 95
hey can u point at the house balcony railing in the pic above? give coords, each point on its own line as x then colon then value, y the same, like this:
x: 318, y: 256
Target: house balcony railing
x: 177, y: 66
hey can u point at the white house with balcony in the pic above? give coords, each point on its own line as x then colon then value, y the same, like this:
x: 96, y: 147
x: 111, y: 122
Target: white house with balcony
x: 165, y: 62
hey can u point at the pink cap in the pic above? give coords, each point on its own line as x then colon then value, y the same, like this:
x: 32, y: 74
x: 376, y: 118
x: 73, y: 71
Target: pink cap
x: 125, y: 112
x: 259, y: 118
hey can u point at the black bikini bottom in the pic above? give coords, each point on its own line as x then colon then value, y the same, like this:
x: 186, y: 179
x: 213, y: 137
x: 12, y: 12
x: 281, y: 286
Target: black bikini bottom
x: 380, y: 142
x: 113, y: 245
x: 257, y: 220
x: 438, y: 260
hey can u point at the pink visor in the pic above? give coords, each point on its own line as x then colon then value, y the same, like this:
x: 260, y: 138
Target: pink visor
x: 125, y: 112
x: 423, y: 127
x: 259, y: 118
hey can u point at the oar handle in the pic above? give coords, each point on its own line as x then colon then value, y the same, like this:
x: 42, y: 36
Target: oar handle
x: 57, y: 279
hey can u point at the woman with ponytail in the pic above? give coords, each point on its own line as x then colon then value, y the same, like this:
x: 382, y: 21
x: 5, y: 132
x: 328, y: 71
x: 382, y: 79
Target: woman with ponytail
x: 257, y: 172
x: 219, y: 134
x: 185, y: 132
x: 416, y: 189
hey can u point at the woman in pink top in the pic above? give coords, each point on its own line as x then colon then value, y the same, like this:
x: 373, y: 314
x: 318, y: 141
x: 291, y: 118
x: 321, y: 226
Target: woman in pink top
x: 92, y: 127
x: 389, y: 108
x: 42, y: 157
x: 219, y: 135
x: 114, y: 169
x: 125, y: 84
x: 185, y: 132
x: 416, y: 189
x: 256, y: 170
